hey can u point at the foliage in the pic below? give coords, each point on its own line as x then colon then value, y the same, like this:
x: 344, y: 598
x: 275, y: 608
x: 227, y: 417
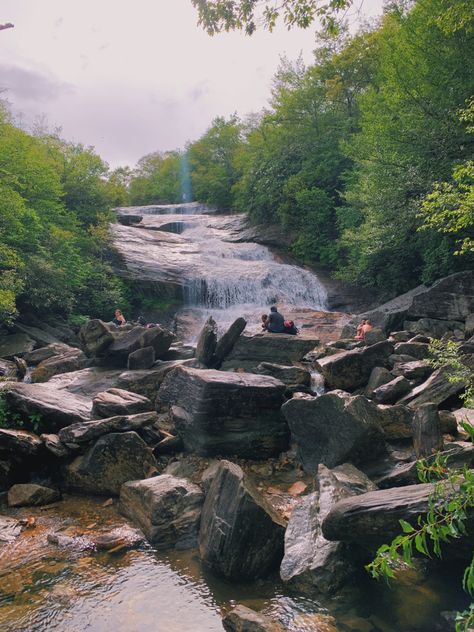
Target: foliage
x: 220, y: 15
x: 446, y: 354
x: 157, y: 179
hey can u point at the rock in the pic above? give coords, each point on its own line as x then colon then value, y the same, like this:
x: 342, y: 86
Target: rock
x: 417, y: 350
x: 45, y: 353
x: 437, y: 389
x: 206, y: 343
x: 15, y: 345
x: 138, y: 337
x: 8, y: 369
x: 29, y: 494
x: 21, y: 367
x: 465, y: 415
x: 129, y: 220
x: 447, y: 422
x: 450, y: 298
x: 396, y: 358
x: 95, y: 337
x: 469, y: 326
x: 311, y: 563
x: 10, y: 529
x: 86, y: 382
x: 58, y: 408
x: 334, y: 428
x: 243, y: 619
x: 119, y: 539
x: 416, y: 370
x: 179, y: 351
x: 374, y: 518
x: 70, y: 360
x: 169, y: 445
x: 91, y: 430
x: 20, y: 441
x: 351, y: 369
x: 400, y: 336
x: 167, y: 509
x: 141, y: 359
x: 116, y: 401
x: 392, y: 391
x: 226, y: 343
x: 373, y: 336
x: 53, y: 444
x: 434, y: 328
x: 219, y: 413
x: 427, y: 438
x: 378, y: 376
x: 240, y: 536
x: 113, y: 460
x: 44, y: 333
x: 396, y: 421
x: 208, y: 475
x: 249, y: 351
x: 294, y: 377
x: 148, y: 382
x: 352, y: 479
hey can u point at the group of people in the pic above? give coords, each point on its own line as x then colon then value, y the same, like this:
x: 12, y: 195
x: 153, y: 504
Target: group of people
x: 119, y: 320
x: 275, y: 323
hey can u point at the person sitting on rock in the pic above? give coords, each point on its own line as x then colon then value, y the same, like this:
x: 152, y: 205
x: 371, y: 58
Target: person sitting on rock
x: 119, y: 318
x: 276, y: 322
x: 264, y: 322
x: 367, y: 327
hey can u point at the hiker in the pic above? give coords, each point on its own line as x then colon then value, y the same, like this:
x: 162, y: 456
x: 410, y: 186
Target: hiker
x: 264, y: 322
x: 119, y: 318
x: 276, y: 322
x: 364, y: 327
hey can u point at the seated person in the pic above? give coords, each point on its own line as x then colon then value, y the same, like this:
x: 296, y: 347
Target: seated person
x: 367, y: 327
x: 119, y: 318
x: 360, y: 333
x: 276, y: 322
x: 264, y: 321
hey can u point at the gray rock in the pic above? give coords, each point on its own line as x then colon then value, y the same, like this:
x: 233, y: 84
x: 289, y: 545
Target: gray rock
x: 113, y: 460
x: 417, y: 350
x: 44, y: 353
x: 392, y: 391
x: 450, y: 298
x: 116, y: 401
x: 447, y: 422
x: 416, y: 370
x: 373, y: 336
x: 53, y: 444
x: 294, y: 377
x: 57, y: 408
x: 311, y: 563
x: 167, y: 509
x: 129, y: 220
x: 70, y: 360
x: 29, y: 494
x: 20, y: 441
x: 8, y: 369
x: 249, y: 351
x: 396, y: 421
x: 141, y: 359
x: 226, y: 343
x: 95, y: 337
x: 240, y: 536
x: 334, y: 428
x: 434, y: 328
x: 427, y: 438
x: 243, y: 619
x: 219, y: 413
x: 351, y: 369
x: 15, y: 345
x: 437, y: 389
x: 126, y: 342
x: 206, y: 343
x: 148, y: 382
x: 400, y: 336
x: 396, y: 358
x: 10, y: 529
x: 91, y: 430
x: 469, y: 326
x: 179, y: 351
x: 379, y: 375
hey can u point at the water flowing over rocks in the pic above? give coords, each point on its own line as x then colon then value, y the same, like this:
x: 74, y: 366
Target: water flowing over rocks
x: 167, y: 509
x: 240, y: 536
x: 223, y: 413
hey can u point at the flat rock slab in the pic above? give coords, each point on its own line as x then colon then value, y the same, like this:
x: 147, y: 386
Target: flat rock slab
x: 15, y: 345
x: 86, y: 382
x: 117, y: 401
x: 243, y: 619
x: 148, y: 382
x: 349, y: 370
x: 113, y: 460
x: 240, y: 536
x: 70, y: 360
x: 57, y: 408
x: 44, y: 353
x: 166, y: 508
x: 436, y: 389
x: 222, y: 413
x: 293, y: 376
x: 91, y: 430
x: 20, y: 441
x: 30, y: 494
x: 333, y: 429
x: 249, y: 351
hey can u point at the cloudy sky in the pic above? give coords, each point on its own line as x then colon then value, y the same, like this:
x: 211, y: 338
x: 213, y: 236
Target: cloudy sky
x: 135, y: 77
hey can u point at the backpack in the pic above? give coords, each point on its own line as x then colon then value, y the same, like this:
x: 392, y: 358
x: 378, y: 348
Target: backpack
x: 290, y: 328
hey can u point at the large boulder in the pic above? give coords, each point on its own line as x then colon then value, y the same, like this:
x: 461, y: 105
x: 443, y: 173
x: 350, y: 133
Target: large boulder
x: 167, y: 510
x: 450, y: 298
x: 240, y: 536
x: 243, y: 619
x: 116, y: 401
x: 70, y: 359
x: 294, y: 377
x: 396, y: 421
x: 432, y: 327
x: 147, y: 382
x: 250, y: 350
x: 349, y: 370
x: 113, y: 460
x: 392, y: 391
x: 436, y: 389
x: 226, y: 342
x: 90, y: 430
x: 206, y: 342
x: 138, y: 337
x: 141, y: 359
x: 334, y: 428
x: 378, y: 376
x: 44, y: 353
x: 19, y: 442
x: 417, y: 370
x: 95, y: 337
x: 418, y: 350
x: 220, y: 413
x: 15, y: 345
x: 311, y: 563
x: 30, y: 494
x: 57, y: 408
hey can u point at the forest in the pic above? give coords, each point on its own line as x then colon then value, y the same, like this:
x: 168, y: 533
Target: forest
x: 365, y: 157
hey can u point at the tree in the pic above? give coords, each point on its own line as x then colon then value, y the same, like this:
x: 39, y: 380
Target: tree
x: 216, y: 16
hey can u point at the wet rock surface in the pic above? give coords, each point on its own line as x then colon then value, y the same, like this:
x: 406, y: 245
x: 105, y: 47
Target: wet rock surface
x: 31, y: 494
x: 243, y: 619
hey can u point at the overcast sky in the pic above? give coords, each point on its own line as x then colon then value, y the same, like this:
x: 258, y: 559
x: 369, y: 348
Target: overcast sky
x: 135, y: 77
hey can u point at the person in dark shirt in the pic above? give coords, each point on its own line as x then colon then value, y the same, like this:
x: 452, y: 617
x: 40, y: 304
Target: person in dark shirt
x: 276, y: 322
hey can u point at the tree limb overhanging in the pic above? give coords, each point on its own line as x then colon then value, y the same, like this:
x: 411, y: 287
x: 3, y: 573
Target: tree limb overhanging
x: 7, y: 25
